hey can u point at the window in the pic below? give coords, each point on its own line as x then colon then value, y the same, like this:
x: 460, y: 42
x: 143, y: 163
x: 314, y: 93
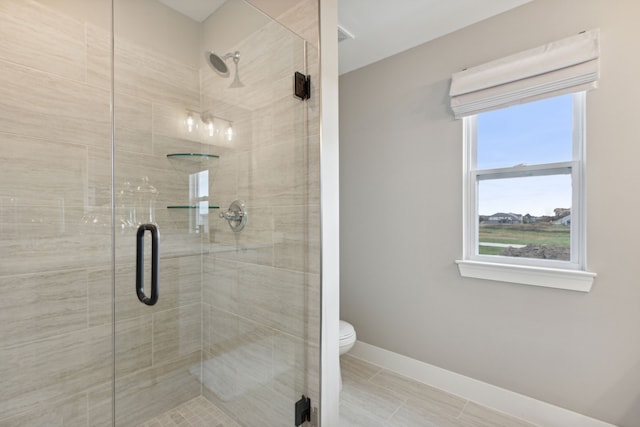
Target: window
x: 525, y: 183
x: 524, y: 186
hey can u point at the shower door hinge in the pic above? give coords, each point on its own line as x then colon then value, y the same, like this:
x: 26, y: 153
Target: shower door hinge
x: 303, y: 410
x: 301, y: 86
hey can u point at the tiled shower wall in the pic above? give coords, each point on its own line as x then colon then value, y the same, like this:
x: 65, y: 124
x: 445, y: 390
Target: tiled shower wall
x: 262, y: 286
x: 257, y: 311
x: 54, y: 129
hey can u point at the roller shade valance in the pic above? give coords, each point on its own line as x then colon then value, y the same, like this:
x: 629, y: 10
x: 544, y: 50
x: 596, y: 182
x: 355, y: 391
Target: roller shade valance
x: 563, y: 66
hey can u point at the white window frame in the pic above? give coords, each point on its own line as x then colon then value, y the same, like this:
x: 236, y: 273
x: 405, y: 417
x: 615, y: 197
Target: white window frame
x: 570, y: 274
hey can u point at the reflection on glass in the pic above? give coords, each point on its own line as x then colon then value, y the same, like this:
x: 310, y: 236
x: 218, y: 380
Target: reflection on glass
x: 199, y: 197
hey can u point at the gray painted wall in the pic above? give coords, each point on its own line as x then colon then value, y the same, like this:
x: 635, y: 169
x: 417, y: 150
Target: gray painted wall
x: 401, y: 216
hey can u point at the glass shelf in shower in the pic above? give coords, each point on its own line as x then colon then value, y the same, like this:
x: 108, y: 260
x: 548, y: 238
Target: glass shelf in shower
x: 192, y: 156
x: 190, y: 207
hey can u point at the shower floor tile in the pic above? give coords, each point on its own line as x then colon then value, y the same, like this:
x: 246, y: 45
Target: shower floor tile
x: 197, y: 412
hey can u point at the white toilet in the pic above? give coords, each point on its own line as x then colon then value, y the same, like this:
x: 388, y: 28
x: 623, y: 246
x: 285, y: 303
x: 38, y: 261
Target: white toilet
x: 347, y: 340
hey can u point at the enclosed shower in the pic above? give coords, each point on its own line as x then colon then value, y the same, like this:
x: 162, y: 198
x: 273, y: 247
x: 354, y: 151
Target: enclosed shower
x: 159, y: 213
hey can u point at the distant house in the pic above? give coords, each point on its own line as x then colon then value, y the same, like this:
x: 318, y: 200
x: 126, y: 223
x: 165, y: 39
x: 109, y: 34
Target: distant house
x: 504, y: 218
x: 565, y: 220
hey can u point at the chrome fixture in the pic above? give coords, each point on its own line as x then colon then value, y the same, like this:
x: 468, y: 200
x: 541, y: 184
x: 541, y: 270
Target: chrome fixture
x: 211, y: 124
x: 236, y: 215
x: 218, y: 64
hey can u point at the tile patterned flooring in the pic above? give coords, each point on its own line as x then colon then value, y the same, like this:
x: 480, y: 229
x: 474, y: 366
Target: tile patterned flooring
x: 376, y: 397
x: 197, y: 412
x: 371, y: 397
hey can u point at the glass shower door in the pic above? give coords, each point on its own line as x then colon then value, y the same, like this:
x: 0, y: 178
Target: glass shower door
x: 56, y: 357
x: 209, y: 137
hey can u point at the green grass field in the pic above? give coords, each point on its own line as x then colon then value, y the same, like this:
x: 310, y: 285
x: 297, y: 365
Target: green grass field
x: 522, y: 234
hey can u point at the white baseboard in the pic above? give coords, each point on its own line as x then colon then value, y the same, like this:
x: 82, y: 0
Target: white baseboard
x: 517, y: 405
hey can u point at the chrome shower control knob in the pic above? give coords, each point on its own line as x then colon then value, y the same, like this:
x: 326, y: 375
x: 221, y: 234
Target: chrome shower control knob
x: 236, y: 215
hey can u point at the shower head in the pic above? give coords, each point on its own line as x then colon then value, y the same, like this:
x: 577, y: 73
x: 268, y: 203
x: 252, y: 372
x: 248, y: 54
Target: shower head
x: 217, y: 62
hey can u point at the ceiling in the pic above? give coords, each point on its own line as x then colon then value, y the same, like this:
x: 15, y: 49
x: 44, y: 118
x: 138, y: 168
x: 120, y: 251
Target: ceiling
x: 393, y: 26
x: 384, y: 27
x: 198, y: 10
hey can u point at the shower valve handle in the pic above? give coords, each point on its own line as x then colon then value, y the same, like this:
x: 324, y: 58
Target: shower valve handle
x: 236, y: 215
x: 232, y: 215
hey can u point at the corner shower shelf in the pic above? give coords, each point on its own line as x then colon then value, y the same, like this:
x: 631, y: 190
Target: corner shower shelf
x: 190, y: 207
x: 195, y: 157
x: 192, y: 156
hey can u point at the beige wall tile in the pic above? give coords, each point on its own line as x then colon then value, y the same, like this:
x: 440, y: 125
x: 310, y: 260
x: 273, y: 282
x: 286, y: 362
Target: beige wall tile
x: 257, y: 254
x: 148, y: 392
x: 273, y: 176
x: 133, y: 345
x: 151, y: 76
x: 38, y: 37
x: 46, y: 371
x: 69, y: 412
x: 127, y: 306
x: 99, y: 177
x: 65, y: 239
x: 40, y: 172
x: 220, y: 283
x: 44, y: 106
x: 177, y: 333
x: 297, y: 364
x: 100, y: 295
x: 100, y: 404
x: 220, y: 330
x: 299, y: 16
x: 39, y: 306
x: 98, y: 56
x: 242, y: 364
x: 180, y: 281
x: 313, y: 171
x: 224, y: 182
x: 133, y: 119
x: 296, y: 235
x: 273, y: 297
x: 141, y: 72
x: 257, y: 233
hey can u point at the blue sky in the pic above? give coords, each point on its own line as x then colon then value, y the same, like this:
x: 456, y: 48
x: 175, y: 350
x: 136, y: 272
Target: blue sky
x: 533, y: 133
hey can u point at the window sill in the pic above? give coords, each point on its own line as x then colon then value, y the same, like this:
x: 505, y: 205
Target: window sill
x: 572, y: 280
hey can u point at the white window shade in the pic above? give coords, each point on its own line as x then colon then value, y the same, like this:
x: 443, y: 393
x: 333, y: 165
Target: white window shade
x: 563, y: 66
